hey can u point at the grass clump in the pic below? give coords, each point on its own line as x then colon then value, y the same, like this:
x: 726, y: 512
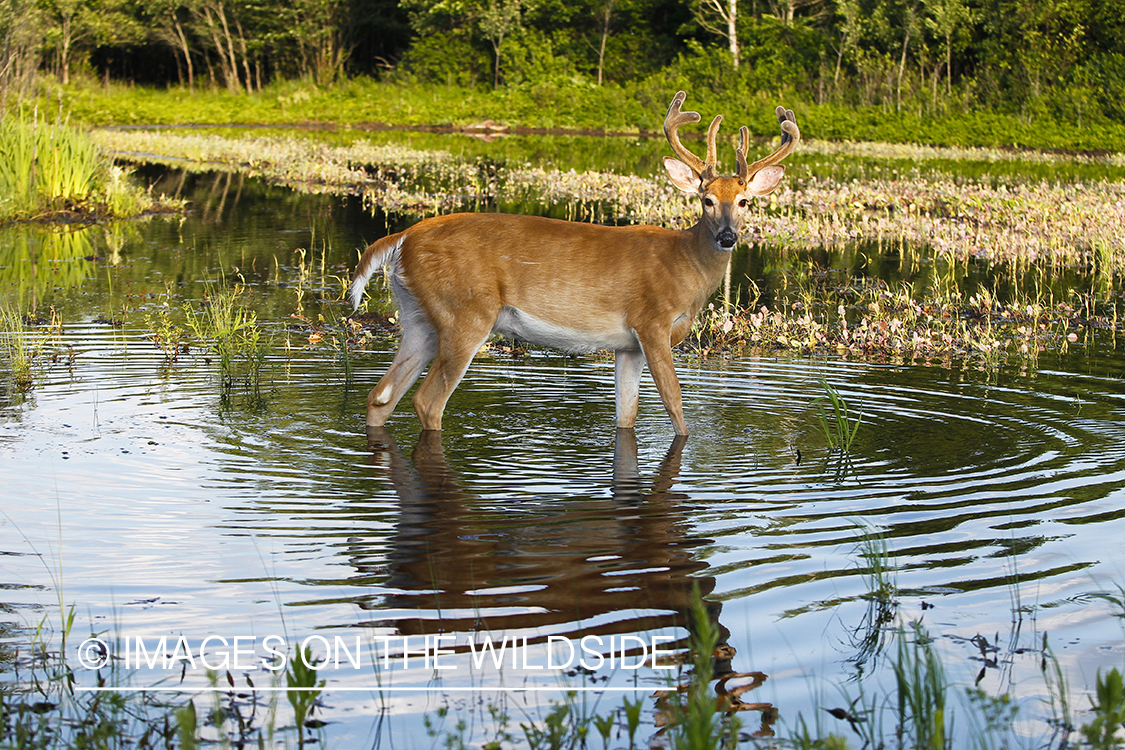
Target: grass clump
x: 27, y: 341
x: 839, y: 429
x: 50, y: 170
x: 228, y: 329
x: 14, y: 344
x: 922, y: 690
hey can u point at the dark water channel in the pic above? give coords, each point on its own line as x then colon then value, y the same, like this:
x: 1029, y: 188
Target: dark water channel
x: 135, y: 489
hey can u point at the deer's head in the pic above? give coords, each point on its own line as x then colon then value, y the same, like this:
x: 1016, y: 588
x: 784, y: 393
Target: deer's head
x: 725, y: 200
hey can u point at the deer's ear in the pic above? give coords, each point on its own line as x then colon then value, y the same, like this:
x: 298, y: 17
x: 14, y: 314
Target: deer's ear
x: 766, y: 180
x: 682, y: 175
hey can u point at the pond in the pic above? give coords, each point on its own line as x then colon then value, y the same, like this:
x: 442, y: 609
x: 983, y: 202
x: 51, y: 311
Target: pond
x: 196, y: 523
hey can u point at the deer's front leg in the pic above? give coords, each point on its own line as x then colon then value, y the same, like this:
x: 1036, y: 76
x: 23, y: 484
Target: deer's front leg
x: 657, y: 348
x: 628, y: 366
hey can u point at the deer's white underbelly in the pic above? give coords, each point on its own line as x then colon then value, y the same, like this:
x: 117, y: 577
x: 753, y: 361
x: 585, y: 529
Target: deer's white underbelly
x: 518, y: 324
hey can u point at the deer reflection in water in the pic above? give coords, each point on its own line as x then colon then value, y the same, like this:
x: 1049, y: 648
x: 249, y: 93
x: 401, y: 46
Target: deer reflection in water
x: 606, y: 564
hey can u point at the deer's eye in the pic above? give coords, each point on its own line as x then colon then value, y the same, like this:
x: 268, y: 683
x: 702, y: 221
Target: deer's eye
x: 708, y: 202
x: 743, y: 203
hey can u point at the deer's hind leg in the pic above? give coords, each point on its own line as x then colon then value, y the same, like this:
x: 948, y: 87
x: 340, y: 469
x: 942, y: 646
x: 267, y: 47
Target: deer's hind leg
x: 457, y: 345
x: 417, y: 348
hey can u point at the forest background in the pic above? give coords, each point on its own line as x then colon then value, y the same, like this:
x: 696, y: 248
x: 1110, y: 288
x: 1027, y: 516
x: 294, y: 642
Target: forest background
x: 1042, y: 73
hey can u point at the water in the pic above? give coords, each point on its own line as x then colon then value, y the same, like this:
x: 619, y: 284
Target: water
x: 163, y: 507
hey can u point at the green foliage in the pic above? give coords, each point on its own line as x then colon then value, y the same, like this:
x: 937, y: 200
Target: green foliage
x: 448, y: 58
x: 163, y: 332
x: 697, y: 723
x: 26, y: 345
x: 555, y: 733
x: 230, y: 330
x: 303, y: 689
x: 994, y: 716
x: 44, y: 166
x: 15, y: 347
x: 921, y: 690
x: 604, y: 725
x: 907, y: 66
x: 839, y: 429
x: 48, y: 167
x: 1109, y: 711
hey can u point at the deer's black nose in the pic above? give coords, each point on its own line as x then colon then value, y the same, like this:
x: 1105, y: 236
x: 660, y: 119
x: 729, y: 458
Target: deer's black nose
x: 727, y: 239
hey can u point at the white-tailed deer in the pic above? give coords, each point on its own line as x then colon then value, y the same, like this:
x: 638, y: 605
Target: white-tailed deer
x: 568, y: 285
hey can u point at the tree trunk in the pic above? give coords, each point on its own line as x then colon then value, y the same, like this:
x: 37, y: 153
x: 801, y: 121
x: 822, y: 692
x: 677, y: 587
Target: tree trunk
x: 64, y: 49
x: 902, y: 61
x: 732, y: 30
x: 236, y: 80
x: 607, y: 17
x: 245, y: 57
x: 186, y: 50
x: 949, y: 65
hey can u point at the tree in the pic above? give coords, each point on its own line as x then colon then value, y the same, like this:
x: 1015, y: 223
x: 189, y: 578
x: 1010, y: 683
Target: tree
x: 604, y: 17
x: 850, y: 30
x: 321, y: 29
x: 219, y: 25
x: 945, y: 21
x: 498, y: 19
x: 720, y: 17
x: 168, y: 25
x: 21, y: 40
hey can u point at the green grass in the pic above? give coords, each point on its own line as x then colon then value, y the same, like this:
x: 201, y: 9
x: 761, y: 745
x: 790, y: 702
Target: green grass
x: 832, y: 412
x: 631, y: 108
x: 47, y: 168
x: 15, y: 346
x: 227, y: 328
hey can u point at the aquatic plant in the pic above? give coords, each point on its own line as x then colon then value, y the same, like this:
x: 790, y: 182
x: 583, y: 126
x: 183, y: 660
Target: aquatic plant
x: 1002, y: 220
x: 50, y: 167
x: 27, y: 341
x: 1109, y: 711
x: 229, y: 329
x: 839, y: 429
x: 921, y: 690
x: 303, y: 689
x: 879, y: 574
x: 163, y: 332
x: 16, y: 349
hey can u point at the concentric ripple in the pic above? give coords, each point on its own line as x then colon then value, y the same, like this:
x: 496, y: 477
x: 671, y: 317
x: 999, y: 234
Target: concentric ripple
x: 180, y: 511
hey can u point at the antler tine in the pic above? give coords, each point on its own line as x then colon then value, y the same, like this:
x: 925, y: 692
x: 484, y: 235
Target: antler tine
x: 743, y: 172
x: 790, y: 136
x: 711, y: 161
x: 672, y: 122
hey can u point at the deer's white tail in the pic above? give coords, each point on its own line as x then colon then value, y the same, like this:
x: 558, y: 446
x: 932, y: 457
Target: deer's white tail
x: 378, y: 254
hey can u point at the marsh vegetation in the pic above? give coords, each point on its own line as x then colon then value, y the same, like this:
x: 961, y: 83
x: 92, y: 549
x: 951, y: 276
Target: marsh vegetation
x: 52, y: 170
x: 950, y: 327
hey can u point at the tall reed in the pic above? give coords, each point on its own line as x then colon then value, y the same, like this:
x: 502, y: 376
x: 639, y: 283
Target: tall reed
x: 48, y: 166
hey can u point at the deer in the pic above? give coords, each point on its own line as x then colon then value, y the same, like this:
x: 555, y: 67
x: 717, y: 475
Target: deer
x: 636, y: 290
